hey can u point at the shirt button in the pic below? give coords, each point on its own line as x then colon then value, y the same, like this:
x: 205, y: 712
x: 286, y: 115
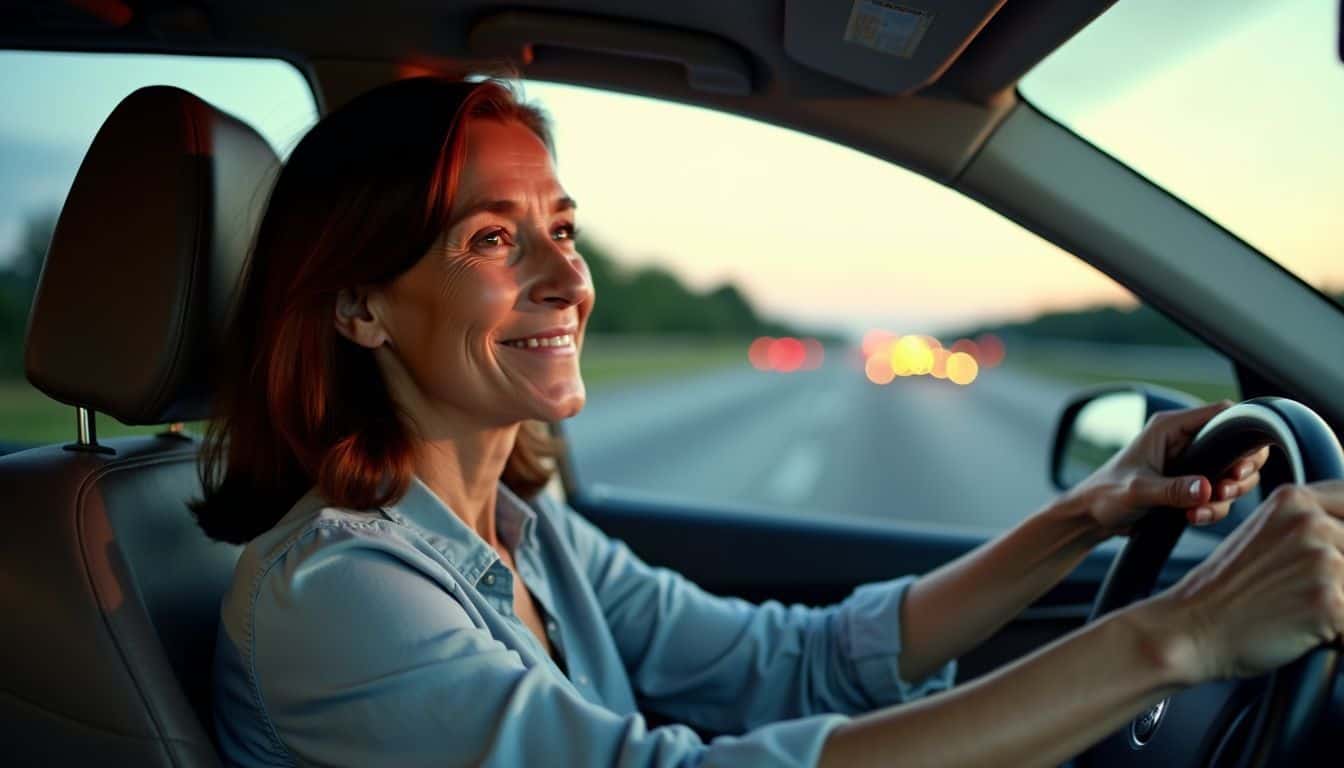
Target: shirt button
x: 583, y: 680
x: 552, y: 627
x: 490, y: 579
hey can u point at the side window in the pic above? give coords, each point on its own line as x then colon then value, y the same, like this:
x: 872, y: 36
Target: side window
x: 50, y: 108
x: 789, y: 327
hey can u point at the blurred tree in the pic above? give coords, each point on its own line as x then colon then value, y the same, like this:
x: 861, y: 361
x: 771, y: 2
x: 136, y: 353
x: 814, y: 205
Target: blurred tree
x: 18, y: 282
x: 652, y: 300
x: 1109, y: 325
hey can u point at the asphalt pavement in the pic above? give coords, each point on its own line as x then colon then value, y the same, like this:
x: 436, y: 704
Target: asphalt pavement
x: 828, y: 443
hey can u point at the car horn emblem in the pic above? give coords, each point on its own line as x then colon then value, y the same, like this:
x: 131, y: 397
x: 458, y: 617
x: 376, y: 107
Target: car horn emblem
x: 1145, y: 725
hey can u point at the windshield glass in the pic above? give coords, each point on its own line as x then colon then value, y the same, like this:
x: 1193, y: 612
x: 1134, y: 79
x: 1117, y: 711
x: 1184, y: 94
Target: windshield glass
x: 1237, y: 108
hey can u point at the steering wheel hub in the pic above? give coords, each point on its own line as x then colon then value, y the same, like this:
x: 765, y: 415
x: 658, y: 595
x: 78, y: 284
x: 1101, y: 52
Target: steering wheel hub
x: 1145, y: 725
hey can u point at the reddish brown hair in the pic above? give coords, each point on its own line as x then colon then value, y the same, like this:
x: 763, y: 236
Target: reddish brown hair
x: 361, y: 199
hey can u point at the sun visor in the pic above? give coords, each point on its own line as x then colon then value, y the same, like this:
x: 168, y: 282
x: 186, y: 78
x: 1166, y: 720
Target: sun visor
x: 888, y: 46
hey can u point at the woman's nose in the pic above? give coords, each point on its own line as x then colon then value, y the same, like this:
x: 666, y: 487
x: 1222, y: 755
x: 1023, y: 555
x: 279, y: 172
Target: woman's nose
x: 561, y: 278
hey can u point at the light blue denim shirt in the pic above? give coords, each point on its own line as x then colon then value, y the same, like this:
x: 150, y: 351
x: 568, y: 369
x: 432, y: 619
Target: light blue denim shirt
x: 389, y: 638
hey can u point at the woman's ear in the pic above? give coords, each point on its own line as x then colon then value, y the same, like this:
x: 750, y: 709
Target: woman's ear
x: 355, y: 322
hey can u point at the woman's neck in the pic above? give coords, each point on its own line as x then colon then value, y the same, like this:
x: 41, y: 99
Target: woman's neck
x: 464, y: 470
x: 457, y: 455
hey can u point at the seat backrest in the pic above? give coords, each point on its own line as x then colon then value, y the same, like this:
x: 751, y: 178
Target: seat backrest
x: 110, y: 590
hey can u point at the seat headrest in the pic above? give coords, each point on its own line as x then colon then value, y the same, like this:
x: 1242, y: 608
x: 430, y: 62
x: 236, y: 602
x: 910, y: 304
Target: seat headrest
x: 145, y: 260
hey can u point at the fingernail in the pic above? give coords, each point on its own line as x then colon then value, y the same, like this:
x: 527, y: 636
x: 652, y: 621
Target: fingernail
x: 1244, y: 471
x: 1203, y: 515
x: 1194, y: 488
x: 1229, y: 489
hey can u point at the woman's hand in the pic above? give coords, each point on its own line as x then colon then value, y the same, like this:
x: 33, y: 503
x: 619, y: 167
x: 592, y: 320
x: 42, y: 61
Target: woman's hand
x: 1271, y: 591
x: 1131, y: 483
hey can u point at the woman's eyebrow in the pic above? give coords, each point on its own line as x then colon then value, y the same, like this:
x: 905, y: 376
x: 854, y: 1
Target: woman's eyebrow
x: 509, y: 207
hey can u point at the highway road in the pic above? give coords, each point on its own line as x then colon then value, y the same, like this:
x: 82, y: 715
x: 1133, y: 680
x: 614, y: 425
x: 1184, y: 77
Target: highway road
x: 829, y: 443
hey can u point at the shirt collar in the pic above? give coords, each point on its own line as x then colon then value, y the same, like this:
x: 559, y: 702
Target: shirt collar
x: 464, y: 549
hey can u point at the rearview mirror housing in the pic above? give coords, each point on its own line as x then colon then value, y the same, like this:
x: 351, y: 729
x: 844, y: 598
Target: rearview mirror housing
x: 1097, y: 423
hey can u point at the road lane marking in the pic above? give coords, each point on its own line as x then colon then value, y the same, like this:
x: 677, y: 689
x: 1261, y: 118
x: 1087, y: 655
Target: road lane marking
x: 796, y: 475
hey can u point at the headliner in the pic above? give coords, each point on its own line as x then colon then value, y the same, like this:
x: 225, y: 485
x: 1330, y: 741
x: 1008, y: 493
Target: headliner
x: 347, y: 47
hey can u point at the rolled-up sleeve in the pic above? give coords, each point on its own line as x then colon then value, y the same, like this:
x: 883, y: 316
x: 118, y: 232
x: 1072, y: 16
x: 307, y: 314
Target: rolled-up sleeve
x: 868, y: 624
x: 361, y: 656
x: 728, y: 665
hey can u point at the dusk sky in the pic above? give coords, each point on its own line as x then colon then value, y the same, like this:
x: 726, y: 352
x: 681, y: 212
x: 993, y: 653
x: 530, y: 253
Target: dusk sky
x: 1242, y: 119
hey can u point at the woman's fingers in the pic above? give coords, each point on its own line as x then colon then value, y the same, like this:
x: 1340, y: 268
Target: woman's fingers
x: 1330, y: 495
x: 1257, y: 460
x: 1183, y: 425
x: 1229, y: 490
x: 1207, y: 514
x: 1153, y: 490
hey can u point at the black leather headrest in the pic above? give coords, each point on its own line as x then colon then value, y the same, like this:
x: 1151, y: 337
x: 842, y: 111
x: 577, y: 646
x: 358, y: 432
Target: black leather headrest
x: 146, y: 257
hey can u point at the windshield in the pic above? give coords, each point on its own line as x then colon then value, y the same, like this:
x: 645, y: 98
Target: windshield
x: 1237, y: 108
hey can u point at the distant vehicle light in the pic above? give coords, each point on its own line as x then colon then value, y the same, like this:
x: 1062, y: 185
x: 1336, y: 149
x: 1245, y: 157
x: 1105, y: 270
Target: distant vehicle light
x: 759, y: 353
x: 787, y: 354
x: 940, y: 356
x: 992, y: 350
x: 878, y: 369
x: 967, y: 346
x: 962, y: 368
x: 875, y: 341
x: 911, y: 356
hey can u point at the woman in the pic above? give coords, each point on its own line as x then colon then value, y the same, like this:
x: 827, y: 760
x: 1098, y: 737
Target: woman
x: 414, y: 309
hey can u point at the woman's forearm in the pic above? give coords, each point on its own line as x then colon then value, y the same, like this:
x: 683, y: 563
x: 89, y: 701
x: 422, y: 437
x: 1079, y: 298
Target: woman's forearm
x: 953, y: 609
x: 1040, y: 710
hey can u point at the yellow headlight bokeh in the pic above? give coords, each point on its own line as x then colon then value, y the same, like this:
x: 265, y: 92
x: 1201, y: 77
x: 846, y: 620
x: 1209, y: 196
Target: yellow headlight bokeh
x: 911, y: 356
x: 886, y: 356
x: 962, y: 368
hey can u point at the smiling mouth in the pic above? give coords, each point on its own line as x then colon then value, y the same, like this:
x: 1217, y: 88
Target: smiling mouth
x: 559, y: 341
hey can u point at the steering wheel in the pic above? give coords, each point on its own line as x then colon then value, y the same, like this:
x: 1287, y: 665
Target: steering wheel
x: 1267, y: 721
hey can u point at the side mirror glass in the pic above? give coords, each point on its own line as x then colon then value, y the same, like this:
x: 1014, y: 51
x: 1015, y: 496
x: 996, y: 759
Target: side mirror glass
x: 1100, y: 429
x: 1097, y: 424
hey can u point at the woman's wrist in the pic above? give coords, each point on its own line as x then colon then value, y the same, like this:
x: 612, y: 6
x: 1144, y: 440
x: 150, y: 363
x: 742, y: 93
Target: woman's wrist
x: 1165, y: 642
x: 1073, y: 509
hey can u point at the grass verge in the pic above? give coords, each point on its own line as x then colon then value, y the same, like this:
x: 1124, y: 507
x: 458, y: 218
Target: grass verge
x: 1207, y: 391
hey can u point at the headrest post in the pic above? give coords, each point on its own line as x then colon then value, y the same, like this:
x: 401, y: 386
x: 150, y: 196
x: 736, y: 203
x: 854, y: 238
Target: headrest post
x: 86, y: 434
x: 86, y: 427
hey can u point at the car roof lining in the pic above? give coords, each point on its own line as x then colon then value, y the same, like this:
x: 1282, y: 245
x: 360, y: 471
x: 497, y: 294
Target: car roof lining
x: 352, y: 47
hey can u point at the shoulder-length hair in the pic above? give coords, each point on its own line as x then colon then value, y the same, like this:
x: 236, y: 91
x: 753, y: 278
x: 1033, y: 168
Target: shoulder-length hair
x: 361, y: 199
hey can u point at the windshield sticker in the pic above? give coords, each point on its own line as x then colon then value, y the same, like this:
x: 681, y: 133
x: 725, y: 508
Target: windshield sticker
x: 887, y: 27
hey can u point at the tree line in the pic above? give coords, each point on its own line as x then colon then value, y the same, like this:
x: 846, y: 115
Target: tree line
x: 1106, y: 325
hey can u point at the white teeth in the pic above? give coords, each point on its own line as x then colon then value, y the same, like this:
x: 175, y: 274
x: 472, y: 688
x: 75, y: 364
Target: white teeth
x: 563, y: 340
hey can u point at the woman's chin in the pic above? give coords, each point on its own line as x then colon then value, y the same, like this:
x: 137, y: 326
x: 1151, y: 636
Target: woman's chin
x: 557, y: 406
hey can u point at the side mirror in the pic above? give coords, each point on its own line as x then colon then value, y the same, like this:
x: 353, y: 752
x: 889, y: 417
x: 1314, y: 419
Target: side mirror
x: 1098, y: 423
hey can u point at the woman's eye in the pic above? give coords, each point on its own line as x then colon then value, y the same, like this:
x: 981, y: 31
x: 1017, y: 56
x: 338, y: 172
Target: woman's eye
x: 492, y: 239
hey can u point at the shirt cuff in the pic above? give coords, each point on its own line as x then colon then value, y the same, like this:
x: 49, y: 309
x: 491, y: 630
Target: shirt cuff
x: 869, y: 627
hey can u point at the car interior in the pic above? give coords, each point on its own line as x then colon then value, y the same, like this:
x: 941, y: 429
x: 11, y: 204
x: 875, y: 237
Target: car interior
x: 113, y: 592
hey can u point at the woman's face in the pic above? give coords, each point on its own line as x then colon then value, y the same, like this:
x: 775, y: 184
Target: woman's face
x: 488, y: 325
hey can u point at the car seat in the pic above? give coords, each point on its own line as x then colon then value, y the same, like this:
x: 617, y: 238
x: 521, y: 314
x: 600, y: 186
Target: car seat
x: 110, y: 591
